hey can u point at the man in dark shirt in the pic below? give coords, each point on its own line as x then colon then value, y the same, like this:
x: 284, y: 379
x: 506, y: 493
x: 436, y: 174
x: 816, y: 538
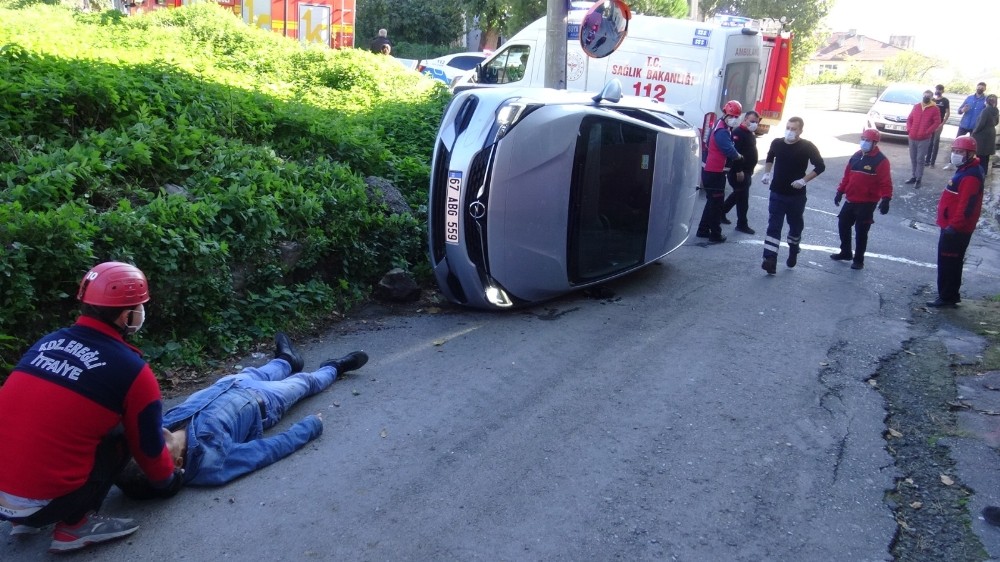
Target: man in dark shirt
x: 944, y: 105
x: 380, y: 41
x: 788, y: 157
x: 745, y: 141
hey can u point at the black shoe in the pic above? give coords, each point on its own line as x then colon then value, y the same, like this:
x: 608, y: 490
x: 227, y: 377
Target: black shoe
x: 717, y: 239
x: 350, y: 362
x: 910, y: 181
x: 283, y: 349
x: 991, y: 514
x: 841, y: 257
x: 858, y: 265
x: 702, y: 233
x: 916, y: 185
x: 745, y: 229
x: 770, y: 265
x: 725, y: 220
x: 793, y: 257
x: 941, y: 303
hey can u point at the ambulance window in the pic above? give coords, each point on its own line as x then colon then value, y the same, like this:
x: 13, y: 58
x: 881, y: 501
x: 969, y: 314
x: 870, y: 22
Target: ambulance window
x: 740, y: 84
x: 509, y: 66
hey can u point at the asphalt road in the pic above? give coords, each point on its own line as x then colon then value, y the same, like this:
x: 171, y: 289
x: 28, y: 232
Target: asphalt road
x: 705, y: 411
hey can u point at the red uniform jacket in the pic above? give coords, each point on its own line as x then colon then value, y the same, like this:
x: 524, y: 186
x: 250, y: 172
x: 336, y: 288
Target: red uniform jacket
x: 867, y: 178
x: 962, y: 199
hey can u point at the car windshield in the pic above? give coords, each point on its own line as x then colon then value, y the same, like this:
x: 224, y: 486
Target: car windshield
x: 907, y: 96
x: 609, y: 198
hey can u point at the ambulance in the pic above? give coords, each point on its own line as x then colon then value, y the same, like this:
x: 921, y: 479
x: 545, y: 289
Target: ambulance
x: 692, y: 66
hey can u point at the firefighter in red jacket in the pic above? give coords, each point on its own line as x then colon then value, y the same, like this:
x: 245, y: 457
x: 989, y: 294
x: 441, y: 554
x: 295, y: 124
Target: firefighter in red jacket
x: 715, y: 163
x: 958, y: 212
x: 74, y: 409
x: 867, y: 183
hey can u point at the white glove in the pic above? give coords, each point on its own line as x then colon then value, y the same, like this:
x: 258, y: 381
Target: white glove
x: 766, y: 178
x: 799, y: 183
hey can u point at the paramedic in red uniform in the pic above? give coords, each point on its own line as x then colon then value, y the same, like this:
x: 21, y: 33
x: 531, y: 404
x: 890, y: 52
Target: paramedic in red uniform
x: 867, y: 183
x: 958, y: 212
x: 74, y: 409
x: 715, y: 163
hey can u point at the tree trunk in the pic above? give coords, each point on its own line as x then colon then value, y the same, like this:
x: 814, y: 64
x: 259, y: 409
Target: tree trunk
x: 489, y: 39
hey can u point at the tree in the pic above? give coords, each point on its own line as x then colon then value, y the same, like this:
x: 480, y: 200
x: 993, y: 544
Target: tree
x: 804, y: 17
x: 437, y: 22
x: 664, y: 8
x: 908, y: 66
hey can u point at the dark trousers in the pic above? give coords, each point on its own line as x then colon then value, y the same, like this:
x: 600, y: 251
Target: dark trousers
x: 951, y: 256
x: 714, y: 184
x: 932, y: 151
x: 984, y: 161
x: 739, y: 198
x: 779, y: 209
x: 111, y: 457
x: 861, y: 216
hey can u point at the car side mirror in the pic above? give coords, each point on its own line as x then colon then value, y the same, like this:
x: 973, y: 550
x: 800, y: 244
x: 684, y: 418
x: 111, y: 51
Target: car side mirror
x: 604, y: 27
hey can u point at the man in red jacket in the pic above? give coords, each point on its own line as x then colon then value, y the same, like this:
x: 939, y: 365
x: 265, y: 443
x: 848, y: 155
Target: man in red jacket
x: 924, y: 120
x: 958, y: 212
x: 867, y: 182
x: 75, y: 408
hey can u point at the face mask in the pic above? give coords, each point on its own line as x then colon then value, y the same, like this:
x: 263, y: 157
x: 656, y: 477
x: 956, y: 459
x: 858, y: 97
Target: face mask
x: 957, y: 159
x: 751, y: 127
x: 938, y: 94
x: 866, y: 146
x: 733, y: 122
x: 790, y: 136
x: 927, y: 99
x: 138, y: 316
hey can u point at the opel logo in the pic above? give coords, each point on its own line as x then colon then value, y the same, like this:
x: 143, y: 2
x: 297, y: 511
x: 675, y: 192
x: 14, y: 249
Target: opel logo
x: 477, y: 210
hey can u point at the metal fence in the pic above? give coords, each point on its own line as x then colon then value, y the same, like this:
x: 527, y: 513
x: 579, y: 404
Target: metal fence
x: 857, y: 99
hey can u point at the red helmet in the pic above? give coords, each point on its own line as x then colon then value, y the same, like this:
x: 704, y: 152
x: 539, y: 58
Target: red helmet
x: 732, y: 108
x: 870, y: 135
x: 964, y: 142
x: 114, y: 284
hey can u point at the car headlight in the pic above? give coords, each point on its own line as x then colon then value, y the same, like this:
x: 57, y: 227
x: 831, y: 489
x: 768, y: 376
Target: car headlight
x: 511, y: 113
x: 498, y: 297
x: 874, y: 115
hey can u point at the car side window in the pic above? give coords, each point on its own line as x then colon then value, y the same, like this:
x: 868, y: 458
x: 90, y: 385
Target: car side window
x: 508, y: 67
x: 610, y: 197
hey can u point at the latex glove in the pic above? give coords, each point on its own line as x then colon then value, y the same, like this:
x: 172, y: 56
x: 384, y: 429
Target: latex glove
x: 799, y: 183
x: 838, y: 198
x: 883, y: 205
x: 766, y: 178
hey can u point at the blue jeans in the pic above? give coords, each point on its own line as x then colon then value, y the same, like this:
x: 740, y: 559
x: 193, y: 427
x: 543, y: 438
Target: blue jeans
x: 779, y: 209
x: 280, y: 391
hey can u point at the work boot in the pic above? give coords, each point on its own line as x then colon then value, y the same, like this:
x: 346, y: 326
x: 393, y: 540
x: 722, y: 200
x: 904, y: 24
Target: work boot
x: 842, y: 256
x: 793, y: 255
x: 725, y: 220
x: 350, y: 362
x: 717, y: 238
x: 745, y: 229
x: 916, y: 185
x: 702, y: 233
x: 770, y: 265
x: 858, y: 265
x: 941, y: 303
x: 283, y: 349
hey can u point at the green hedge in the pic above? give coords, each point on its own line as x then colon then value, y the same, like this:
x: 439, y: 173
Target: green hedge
x: 267, y: 140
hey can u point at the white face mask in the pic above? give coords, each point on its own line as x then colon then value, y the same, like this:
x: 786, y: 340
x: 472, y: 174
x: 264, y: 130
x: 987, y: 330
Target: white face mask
x: 137, y: 315
x: 751, y: 127
x: 733, y: 122
x: 957, y: 159
x: 866, y: 146
x: 790, y: 135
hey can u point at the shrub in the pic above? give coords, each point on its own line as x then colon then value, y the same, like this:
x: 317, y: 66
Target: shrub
x: 225, y: 161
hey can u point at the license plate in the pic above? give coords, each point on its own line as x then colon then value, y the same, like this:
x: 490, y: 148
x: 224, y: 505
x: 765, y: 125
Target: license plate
x: 892, y: 127
x: 451, y: 207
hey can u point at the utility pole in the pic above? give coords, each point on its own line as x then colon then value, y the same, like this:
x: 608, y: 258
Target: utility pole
x: 555, y: 41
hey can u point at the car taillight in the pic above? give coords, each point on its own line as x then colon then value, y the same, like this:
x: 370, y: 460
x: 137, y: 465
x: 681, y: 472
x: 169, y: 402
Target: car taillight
x: 420, y: 68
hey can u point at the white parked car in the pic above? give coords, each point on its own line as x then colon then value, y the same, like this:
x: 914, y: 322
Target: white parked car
x: 893, y: 106
x: 449, y: 67
x: 537, y: 192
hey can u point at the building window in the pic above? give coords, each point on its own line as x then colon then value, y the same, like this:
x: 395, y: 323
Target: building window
x: 824, y: 68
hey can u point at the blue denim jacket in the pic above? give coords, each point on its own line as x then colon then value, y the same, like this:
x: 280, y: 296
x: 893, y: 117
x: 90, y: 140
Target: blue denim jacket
x: 225, y: 435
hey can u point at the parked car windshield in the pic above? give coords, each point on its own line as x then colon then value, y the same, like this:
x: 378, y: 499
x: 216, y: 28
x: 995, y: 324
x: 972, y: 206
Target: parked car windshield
x: 907, y: 96
x: 609, y: 198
